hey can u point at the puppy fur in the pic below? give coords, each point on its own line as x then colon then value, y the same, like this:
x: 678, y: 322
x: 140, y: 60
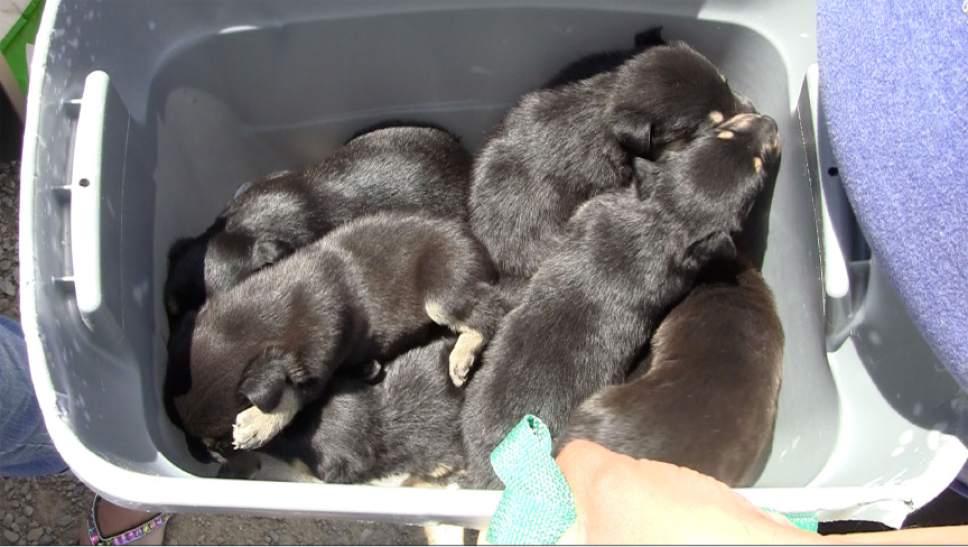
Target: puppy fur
x: 559, y: 147
x: 630, y: 255
x: 367, y: 291
x: 408, y: 169
x: 361, y: 432
x: 596, y: 63
x: 708, y: 396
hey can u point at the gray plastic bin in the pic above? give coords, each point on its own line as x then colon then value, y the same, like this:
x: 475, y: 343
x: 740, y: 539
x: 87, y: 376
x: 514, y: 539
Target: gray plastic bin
x: 146, y: 116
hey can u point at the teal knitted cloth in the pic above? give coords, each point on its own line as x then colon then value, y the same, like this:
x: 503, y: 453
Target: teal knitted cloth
x: 537, y: 506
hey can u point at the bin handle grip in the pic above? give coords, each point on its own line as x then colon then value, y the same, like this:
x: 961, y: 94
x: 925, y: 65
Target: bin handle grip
x: 844, y: 279
x: 87, y: 197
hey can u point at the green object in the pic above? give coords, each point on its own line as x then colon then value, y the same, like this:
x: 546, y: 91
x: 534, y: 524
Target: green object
x: 537, y: 506
x: 13, y: 46
x: 803, y: 521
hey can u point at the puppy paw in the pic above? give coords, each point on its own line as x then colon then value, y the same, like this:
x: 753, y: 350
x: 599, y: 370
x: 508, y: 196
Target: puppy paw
x: 460, y: 367
x: 463, y: 355
x: 253, y: 428
x: 444, y: 534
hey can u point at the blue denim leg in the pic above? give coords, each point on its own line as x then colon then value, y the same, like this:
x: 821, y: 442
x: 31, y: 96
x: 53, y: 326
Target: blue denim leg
x: 25, y: 448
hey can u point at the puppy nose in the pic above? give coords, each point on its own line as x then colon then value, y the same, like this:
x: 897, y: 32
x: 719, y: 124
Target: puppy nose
x: 770, y: 133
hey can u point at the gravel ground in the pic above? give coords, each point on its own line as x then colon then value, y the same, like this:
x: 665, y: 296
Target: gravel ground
x: 52, y: 510
x: 9, y: 273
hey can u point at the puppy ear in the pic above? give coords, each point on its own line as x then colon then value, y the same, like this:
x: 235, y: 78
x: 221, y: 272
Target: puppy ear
x: 269, y: 251
x: 263, y: 382
x: 717, y: 245
x: 633, y: 133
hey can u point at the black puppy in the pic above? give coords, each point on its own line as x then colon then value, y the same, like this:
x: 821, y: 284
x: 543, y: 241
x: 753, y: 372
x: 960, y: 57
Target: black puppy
x: 559, y: 147
x: 361, y: 432
x: 628, y: 257
x: 707, y: 396
x: 596, y: 63
x: 367, y: 291
x: 415, y: 169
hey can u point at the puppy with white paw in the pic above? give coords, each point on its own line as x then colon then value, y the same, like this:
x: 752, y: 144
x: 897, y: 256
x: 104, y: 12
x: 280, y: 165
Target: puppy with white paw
x: 629, y: 256
x: 256, y: 354
x: 357, y: 431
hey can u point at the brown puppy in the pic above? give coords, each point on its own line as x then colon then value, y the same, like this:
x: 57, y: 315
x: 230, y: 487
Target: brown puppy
x: 707, y: 396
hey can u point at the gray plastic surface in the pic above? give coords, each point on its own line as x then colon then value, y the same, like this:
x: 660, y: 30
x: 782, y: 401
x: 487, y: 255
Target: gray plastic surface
x: 217, y: 93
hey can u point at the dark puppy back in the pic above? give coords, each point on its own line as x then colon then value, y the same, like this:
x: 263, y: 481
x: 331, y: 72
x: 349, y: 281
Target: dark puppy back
x: 628, y: 258
x: 560, y: 147
x: 369, y: 290
x: 184, y: 286
x: 708, y: 397
x: 596, y: 63
x: 392, y: 169
x: 406, y: 423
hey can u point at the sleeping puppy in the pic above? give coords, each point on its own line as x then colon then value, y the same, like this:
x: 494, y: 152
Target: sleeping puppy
x: 629, y: 256
x: 559, y: 147
x: 596, y: 63
x: 392, y: 169
x: 360, y: 432
x: 707, y: 397
x: 365, y: 292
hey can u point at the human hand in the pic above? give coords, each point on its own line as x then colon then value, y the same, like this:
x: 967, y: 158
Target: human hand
x: 623, y: 500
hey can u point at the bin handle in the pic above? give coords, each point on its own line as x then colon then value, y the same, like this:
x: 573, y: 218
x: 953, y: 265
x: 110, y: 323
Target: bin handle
x: 98, y: 122
x: 844, y: 279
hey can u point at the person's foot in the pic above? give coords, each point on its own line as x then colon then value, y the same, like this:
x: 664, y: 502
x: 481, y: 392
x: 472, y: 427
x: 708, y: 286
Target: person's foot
x: 105, y: 521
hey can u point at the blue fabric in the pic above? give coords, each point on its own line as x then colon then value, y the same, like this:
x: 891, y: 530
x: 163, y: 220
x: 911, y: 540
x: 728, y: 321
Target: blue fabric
x: 25, y: 448
x: 894, y: 83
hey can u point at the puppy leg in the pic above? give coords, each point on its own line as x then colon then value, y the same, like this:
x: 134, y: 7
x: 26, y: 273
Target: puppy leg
x: 462, y: 356
x: 444, y: 534
x: 465, y: 351
x: 474, y: 314
x: 253, y: 428
x: 392, y: 481
x: 440, y: 534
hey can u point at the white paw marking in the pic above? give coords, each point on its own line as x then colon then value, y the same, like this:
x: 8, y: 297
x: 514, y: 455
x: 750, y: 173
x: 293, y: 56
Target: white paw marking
x: 254, y: 428
x: 436, y: 314
x: 463, y: 355
x: 391, y: 481
x: 444, y: 534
